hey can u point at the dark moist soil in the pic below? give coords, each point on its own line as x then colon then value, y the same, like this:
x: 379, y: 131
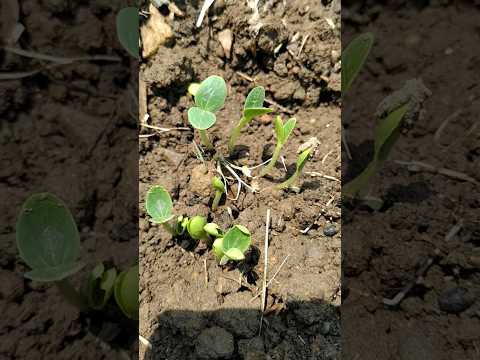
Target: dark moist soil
x: 382, y: 251
x: 183, y: 315
x: 67, y: 131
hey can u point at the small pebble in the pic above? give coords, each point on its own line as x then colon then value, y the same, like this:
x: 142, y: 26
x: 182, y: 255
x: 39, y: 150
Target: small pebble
x: 330, y: 230
x: 455, y: 300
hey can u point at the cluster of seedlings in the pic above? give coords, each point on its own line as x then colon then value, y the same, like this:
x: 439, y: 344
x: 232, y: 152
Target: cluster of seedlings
x: 48, y: 241
x: 210, y: 97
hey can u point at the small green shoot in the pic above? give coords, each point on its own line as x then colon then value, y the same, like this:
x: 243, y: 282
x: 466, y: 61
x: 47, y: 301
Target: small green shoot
x: 126, y: 292
x: 213, y: 230
x: 209, y: 98
x: 282, y: 131
x: 128, y: 30
x: 219, y: 190
x: 301, y: 161
x: 386, y: 134
x: 160, y: 207
x: 253, y: 107
x: 99, y: 286
x: 233, y: 245
x: 193, y: 88
x: 353, y: 58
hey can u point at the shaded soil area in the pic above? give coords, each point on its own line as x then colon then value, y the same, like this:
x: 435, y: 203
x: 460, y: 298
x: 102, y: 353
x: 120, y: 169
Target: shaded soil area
x: 426, y: 236
x: 190, y: 307
x: 67, y: 130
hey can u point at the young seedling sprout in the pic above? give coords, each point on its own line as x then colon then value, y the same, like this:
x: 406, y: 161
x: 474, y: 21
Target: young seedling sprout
x: 128, y: 30
x: 233, y: 245
x: 126, y: 292
x: 253, y: 107
x: 301, y: 161
x: 209, y: 98
x: 49, y: 243
x: 282, y: 131
x: 219, y: 187
x: 195, y: 228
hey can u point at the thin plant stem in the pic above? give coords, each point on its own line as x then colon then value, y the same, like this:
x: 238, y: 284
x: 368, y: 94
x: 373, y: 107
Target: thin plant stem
x: 74, y: 297
x: 287, y: 183
x: 273, y: 161
x: 236, y: 133
x: 205, y: 140
x: 216, y: 200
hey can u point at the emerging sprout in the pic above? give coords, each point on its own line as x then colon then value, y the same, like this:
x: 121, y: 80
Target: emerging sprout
x: 282, y: 131
x: 126, y: 292
x: 99, y: 286
x: 195, y: 228
x: 219, y: 190
x: 253, y: 107
x: 128, y: 30
x: 233, y: 245
x: 213, y: 230
x: 301, y: 161
x: 209, y: 98
x: 193, y: 88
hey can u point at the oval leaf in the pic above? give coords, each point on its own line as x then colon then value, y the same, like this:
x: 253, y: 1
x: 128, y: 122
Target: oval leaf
x: 47, y: 237
x: 218, y: 248
x: 353, y: 58
x: 211, y: 94
x: 201, y: 119
x: 159, y: 205
x: 236, y: 238
x: 126, y: 292
x: 302, y: 158
x: 128, y: 30
x: 255, y: 98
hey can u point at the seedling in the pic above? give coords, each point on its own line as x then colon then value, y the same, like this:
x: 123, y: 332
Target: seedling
x: 388, y: 129
x: 49, y: 243
x: 233, y: 245
x: 219, y: 190
x: 159, y: 206
x: 253, y: 107
x: 128, y: 30
x: 209, y: 98
x: 301, y: 161
x: 282, y: 132
x: 195, y: 228
x: 213, y: 230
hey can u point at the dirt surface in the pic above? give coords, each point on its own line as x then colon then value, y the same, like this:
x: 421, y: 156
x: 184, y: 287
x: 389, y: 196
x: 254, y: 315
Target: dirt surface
x: 67, y: 130
x: 384, y: 251
x: 183, y: 314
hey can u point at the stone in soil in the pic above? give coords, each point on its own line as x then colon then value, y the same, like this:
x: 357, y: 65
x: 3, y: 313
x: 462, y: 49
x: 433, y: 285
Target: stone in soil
x: 455, y: 300
x: 330, y: 230
x: 214, y: 343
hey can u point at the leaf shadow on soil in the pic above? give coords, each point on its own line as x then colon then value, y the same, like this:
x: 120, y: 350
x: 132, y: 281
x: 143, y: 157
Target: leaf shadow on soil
x: 297, y: 330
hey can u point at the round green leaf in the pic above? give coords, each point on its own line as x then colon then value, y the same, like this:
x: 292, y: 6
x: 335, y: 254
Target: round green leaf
x: 159, y: 204
x: 128, y: 30
x: 126, y: 292
x: 211, y: 94
x: 218, y: 248
x: 195, y: 227
x: 235, y: 254
x: 201, y: 119
x: 47, y: 237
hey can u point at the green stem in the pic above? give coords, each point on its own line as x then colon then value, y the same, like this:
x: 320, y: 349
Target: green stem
x: 236, y: 133
x: 205, y: 140
x: 273, y: 161
x: 289, y: 181
x: 216, y: 200
x: 72, y: 295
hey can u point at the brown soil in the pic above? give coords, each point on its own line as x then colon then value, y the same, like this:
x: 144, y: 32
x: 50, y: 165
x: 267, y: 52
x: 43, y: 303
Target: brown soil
x: 66, y: 131
x: 182, y: 315
x: 383, y: 250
